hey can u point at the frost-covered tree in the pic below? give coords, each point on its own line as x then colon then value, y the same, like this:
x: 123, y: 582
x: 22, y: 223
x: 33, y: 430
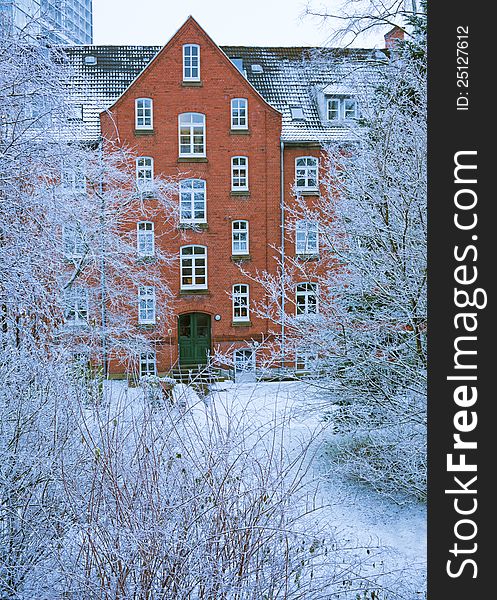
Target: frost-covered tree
x: 351, y: 20
x: 357, y: 323
x: 70, y: 275
x: 371, y: 343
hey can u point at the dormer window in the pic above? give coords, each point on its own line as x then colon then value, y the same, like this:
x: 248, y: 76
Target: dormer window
x: 341, y: 109
x: 191, y: 62
x: 349, y: 108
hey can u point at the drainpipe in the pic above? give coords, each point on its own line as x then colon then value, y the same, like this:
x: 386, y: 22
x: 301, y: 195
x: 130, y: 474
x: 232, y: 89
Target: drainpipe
x: 103, y: 282
x: 282, y: 225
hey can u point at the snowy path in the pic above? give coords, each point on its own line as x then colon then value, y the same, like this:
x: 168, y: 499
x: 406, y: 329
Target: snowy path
x: 353, y: 511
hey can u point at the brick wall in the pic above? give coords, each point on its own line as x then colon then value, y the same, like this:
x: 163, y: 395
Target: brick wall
x: 220, y: 82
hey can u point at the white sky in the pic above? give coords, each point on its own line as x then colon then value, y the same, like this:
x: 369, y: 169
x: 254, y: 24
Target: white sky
x: 228, y: 22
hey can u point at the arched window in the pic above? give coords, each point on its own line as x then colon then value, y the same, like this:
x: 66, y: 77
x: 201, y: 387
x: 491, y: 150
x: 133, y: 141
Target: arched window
x: 306, y: 299
x: 73, y: 239
x: 192, y: 134
x: 144, y: 118
x: 191, y: 62
x: 76, y: 305
x: 193, y: 204
x: 306, y: 237
x: 193, y: 267
x: 306, y: 173
x: 240, y: 298
x: 146, y: 305
x: 144, y: 173
x: 239, y: 173
x: 145, y: 242
x: 239, y: 237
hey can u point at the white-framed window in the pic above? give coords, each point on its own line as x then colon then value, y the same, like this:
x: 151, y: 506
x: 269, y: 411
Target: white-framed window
x: 244, y: 361
x: 306, y: 299
x: 306, y: 237
x: 191, y: 134
x: 73, y: 240
x: 240, y: 237
x: 148, y: 364
x: 73, y: 180
x: 341, y: 109
x: 193, y: 204
x: 38, y: 109
x: 306, y: 173
x: 304, y: 361
x: 76, y: 305
x: 144, y: 173
x: 240, y: 298
x: 146, y: 305
x: 145, y: 238
x: 239, y: 113
x: 193, y: 267
x: 191, y: 62
x: 333, y: 109
x: 144, y: 114
x: 239, y: 173
x: 349, y: 108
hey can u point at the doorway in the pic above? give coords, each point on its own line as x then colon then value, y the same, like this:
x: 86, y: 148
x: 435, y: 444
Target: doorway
x: 194, y: 334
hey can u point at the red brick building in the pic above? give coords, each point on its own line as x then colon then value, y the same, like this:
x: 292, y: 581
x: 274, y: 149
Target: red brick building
x: 242, y: 129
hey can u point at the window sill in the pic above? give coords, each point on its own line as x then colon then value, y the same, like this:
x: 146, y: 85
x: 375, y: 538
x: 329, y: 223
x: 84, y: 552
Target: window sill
x: 144, y: 194
x: 341, y: 122
x: 76, y: 325
x: 307, y: 256
x: 193, y: 226
x: 139, y: 132
x: 241, y: 323
x: 146, y: 258
x: 240, y: 132
x: 307, y: 191
x: 192, y: 83
x: 194, y: 292
x: 147, y: 326
x: 239, y: 193
x: 240, y: 257
x: 192, y: 159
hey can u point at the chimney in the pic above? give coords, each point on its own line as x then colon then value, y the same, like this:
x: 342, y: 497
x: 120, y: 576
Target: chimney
x: 392, y: 38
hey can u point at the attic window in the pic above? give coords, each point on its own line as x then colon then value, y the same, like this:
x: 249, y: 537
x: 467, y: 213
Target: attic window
x: 90, y: 60
x: 238, y: 62
x: 257, y: 69
x: 297, y: 113
x: 75, y: 112
x: 341, y: 108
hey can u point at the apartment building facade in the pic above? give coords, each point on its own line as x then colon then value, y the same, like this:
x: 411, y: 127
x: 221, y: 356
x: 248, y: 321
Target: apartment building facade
x: 56, y: 22
x: 243, y: 131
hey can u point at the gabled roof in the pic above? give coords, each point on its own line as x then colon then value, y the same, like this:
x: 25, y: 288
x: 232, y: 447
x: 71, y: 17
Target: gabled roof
x: 284, y: 77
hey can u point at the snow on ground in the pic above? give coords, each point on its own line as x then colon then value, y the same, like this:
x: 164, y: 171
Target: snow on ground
x: 355, y: 514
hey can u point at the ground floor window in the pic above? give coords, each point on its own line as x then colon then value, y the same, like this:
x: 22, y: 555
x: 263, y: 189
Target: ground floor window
x: 148, y: 364
x: 244, y: 360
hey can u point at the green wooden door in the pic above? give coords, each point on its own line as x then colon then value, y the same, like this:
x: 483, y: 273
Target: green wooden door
x: 194, y: 338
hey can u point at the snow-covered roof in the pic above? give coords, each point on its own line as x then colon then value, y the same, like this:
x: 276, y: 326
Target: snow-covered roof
x: 285, y: 77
